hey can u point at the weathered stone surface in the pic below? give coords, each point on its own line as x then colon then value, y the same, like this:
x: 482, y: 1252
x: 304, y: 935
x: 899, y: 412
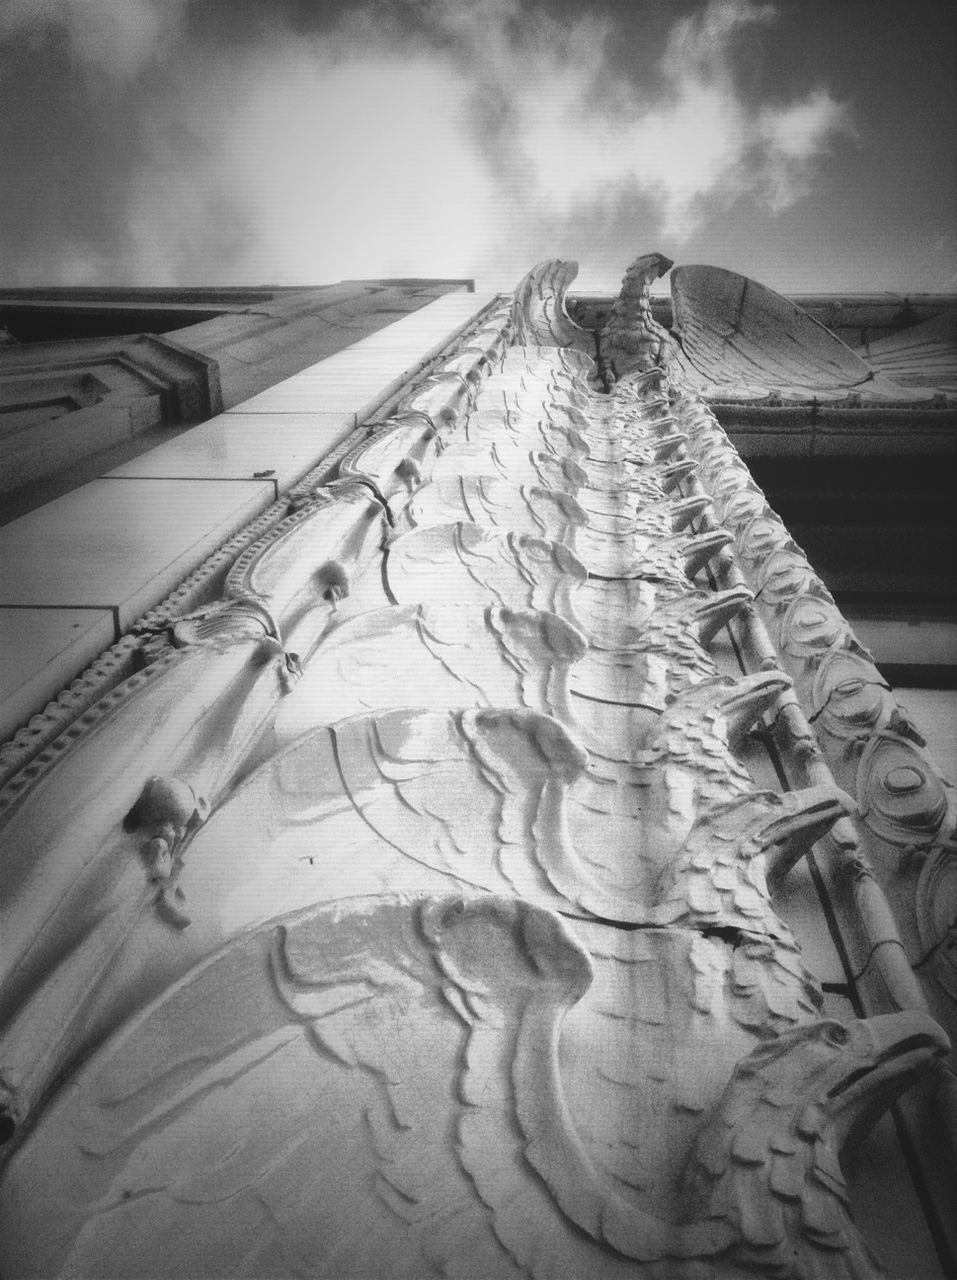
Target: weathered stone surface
x: 538, y: 309
x: 741, y: 340
x: 445, y: 1025
x: 415, y: 912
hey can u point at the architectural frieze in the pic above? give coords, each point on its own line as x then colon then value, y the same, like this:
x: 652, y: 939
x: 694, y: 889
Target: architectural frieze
x: 417, y: 909
x: 906, y: 809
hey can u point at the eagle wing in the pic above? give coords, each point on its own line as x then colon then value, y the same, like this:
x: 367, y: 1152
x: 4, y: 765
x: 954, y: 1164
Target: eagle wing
x: 528, y: 465
x: 538, y: 310
x: 462, y: 563
x: 493, y: 502
x: 326, y: 1084
x: 651, y: 1045
x: 549, y: 427
x: 773, y: 346
x: 440, y: 656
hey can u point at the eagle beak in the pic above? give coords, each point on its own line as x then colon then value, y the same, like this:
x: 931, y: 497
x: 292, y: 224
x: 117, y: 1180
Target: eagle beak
x: 576, y: 441
x: 717, y: 612
x: 699, y: 548
x: 572, y: 472
x: 684, y: 510
x: 898, y: 1047
x: 810, y: 814
x: 647, y: 380
x: 673, y: 474
x: 663, y: 426
x: 665, y: 446
x: 750, y: 697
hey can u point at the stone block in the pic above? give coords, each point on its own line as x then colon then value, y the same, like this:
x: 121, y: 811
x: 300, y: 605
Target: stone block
x: 280, y: 447
x: 121, y: 544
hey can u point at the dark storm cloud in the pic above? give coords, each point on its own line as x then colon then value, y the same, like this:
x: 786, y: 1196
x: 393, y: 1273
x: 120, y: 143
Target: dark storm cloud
x: 174, y: 141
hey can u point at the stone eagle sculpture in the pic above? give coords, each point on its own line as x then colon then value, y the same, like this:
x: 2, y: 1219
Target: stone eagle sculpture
x: 397, y: 1081
x: 426, y: 919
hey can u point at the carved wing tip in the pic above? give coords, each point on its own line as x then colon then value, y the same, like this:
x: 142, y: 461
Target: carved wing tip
x: 564, y: 758
x: 474, y: 939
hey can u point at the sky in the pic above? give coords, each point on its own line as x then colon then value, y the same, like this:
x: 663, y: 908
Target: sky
x: 811, y: 144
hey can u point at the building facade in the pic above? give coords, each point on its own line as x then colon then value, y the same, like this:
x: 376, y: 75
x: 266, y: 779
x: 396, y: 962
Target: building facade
x: 449, y: 824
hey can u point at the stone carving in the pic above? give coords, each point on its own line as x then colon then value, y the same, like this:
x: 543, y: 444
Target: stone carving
x: 225, y: 622
x: 463, y: 563
x: 534, y: 492
x: 936, y: 910
x: 156, y: 724
x: 494, y: 502
x: 700, y: 724
x: 646, y: 387
x: 616, y: 513
x: 511, y: 462
x: 667, y: 643
x: 902, y: 797
x: 663, y: 995
x: 634, y: 555
x: 761, y: 537
x: 489, y: 887
x: 905, y: 807
x: 562, y: 378
x: 631, y: 821
x: 37, y: 744
x: 559, y: 362
x: 848, y: 700
x: 221, y: 686
x: 195, y: 713
x: 719, y: 879
x: 921, y: 355
x: 483, y: 349
x: 294, y: 559
x: 538, y: 310
x: 491, y: 425
x: 441, y: 1023
x: 643, y: 613
x: 740, y: 340
x: 633, y: 340
x: 437, y: 656
x: 796, y: 1216
x: 394, y: 459
x: 443, y: 398
x: 783, y: 577
x: 428, y: 783
x: 165, y: 813
x: 525, y: 410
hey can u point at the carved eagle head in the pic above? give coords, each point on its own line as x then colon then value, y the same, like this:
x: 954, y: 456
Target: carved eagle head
x: 767, y: 1160
x: 718, y: 876
x: 721, y: 709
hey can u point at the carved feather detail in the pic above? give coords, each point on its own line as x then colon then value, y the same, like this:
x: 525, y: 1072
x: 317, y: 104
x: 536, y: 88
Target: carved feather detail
x: 483, y: 973
x: 462, y: 563
x: 395, y: 1082
x: 538, y: 311
x: 439, y: 656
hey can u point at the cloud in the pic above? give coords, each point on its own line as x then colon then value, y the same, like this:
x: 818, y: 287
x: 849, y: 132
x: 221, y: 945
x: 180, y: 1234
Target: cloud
x: 115, y: 38
x: 429, y: 137
x: 696, y: 146
x: 791, y: 141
